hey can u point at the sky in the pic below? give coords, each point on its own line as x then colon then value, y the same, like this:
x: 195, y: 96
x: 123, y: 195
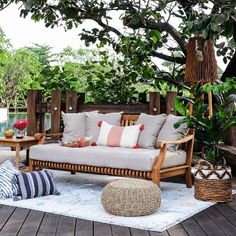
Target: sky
x: 24, y: 31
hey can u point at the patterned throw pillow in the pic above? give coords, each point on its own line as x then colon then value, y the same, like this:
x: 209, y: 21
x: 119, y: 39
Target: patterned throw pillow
x: 117, y: 136
x: 36, y: 184
x: 8, y: 186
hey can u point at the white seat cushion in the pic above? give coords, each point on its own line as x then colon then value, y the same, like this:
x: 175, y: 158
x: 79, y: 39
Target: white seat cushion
x: 115, y: 157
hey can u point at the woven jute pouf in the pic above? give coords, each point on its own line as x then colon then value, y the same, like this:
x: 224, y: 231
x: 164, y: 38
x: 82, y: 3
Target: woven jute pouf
x: 132, y: 197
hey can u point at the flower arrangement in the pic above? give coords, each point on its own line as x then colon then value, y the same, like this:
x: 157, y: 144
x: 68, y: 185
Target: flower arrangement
x: 20, y: 124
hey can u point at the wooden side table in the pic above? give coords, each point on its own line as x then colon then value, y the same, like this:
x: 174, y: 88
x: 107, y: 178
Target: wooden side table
x: 25, y: 142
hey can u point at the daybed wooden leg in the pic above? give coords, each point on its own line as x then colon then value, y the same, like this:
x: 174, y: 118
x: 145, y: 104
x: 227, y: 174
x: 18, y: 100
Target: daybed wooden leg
x: 72, y: 172
x: 188, y: 178
x: 31, y: 167
x: 156, y: 179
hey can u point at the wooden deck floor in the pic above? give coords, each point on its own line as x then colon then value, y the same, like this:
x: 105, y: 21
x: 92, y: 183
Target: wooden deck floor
x: 217, y: 220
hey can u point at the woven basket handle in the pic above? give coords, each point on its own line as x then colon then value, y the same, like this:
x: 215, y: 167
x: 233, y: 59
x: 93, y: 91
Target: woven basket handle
x: 206, y: 163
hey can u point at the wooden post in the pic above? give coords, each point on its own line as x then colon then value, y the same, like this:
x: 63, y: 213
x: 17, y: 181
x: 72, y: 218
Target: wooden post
x: 80, y: 100
x: 56, y: 111
x: 170, y: 108
x: 210, y: 106
x: 71, y: 101
x: 154, y: 103
x: 191, y: 106
x: 35, y: 122
x: 231, y: 137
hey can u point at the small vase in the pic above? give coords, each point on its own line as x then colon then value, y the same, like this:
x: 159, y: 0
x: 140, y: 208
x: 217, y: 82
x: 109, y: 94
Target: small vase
x: 20, y: 134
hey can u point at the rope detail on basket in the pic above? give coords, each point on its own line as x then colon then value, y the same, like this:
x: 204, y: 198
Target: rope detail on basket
x: 206, y: 170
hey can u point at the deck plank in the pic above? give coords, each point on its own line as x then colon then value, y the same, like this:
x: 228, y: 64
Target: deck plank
x: 139, y: 232
x: 207, y: 224
x: 219, y: 219
x: 66, y: 226
x: 164, y: 233
x: 177, y: 230
x: 49, y: 224
x: 6, y: 212
x: 84, y: 228
x: 192, y: 228
x: 32, y: 223
x: 15, y: 222
x: 227, y: 212
x: 232, y: 204
x: 101, y: 229
x: 120, y: 231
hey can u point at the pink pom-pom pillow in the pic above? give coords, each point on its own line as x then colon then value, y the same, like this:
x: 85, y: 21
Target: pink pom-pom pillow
x: 117, y: 136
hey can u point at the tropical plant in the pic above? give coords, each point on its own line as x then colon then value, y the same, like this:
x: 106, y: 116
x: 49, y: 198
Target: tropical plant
x: 209, y: 130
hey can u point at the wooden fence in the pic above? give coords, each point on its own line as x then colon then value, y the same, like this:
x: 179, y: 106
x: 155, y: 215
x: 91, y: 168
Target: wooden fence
x: 75, y: 102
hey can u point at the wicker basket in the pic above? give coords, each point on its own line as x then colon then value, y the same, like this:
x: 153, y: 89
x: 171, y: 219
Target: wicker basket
x: 212, y: 184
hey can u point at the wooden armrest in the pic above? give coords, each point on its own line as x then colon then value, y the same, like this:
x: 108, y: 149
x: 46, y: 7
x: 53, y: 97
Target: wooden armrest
x: 160, y: 144
x: 42, y: 136
x: 37, y: 136
x: 54, y: 135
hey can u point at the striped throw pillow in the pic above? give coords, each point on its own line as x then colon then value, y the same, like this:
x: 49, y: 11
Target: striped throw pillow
x: 8, y: 185
x: 117, y: 136
x: 36, y: 184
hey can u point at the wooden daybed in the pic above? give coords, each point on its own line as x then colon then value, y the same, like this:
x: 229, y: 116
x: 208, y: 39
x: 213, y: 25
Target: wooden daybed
x: 156, y: 174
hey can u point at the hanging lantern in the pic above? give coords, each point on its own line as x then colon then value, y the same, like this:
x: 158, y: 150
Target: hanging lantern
x: 201, y: 65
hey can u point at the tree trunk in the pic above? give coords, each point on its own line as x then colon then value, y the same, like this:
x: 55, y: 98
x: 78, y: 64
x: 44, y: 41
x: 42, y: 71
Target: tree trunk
x: 230, y: 70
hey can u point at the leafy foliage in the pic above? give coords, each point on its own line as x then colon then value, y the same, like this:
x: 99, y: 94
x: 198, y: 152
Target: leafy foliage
x: 17, y: 70
x: 110, y: 81
x: 156, y: 27
x: 43, y: 52
x: 220, y: 23
x: 52, y: 78
x: 210, y: 130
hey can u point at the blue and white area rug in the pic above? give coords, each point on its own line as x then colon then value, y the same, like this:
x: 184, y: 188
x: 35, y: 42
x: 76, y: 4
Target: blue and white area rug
x: 81, y: 194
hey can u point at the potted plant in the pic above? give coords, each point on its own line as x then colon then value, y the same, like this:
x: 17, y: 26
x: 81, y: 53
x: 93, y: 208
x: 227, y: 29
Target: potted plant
x: 212, y: 176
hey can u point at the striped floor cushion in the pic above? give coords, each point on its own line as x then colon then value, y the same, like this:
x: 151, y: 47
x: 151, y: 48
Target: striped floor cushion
x: 36, y: 184
x: 8, y: 185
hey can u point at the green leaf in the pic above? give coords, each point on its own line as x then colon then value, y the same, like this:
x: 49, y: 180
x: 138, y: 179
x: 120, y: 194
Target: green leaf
x: 155, y: 36
x: 180, y: 107
x: 205, y: 33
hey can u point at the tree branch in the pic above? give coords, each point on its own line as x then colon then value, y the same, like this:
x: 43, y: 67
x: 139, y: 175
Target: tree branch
x: 3, y: 7
x: 179, y: 60
x: 164, y: 26
x: 107, y: 27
